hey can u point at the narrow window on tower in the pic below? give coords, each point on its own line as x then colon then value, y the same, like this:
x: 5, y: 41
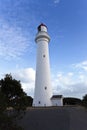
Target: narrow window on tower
x: 44, y: 56
x: 45, y: 87
x: 39, y: 102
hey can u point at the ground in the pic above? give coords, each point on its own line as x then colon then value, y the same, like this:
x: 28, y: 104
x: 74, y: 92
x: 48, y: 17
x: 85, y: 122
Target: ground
x: 55, y: 118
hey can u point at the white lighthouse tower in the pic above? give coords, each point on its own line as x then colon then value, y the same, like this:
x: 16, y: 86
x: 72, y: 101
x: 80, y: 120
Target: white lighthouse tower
x: 43, y: 90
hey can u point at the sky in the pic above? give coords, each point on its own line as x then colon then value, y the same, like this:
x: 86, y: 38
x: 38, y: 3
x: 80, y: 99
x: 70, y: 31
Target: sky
x: 67, y: 26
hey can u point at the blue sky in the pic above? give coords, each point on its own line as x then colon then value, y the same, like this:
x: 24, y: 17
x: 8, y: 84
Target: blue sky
x: 67, y: 27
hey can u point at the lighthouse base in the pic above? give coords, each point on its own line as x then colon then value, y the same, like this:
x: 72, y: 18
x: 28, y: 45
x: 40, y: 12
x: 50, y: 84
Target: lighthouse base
x: 39, y: 103
x: 55, y: 100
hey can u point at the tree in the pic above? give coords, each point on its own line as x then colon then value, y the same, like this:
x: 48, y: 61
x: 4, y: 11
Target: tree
x: 11, y: 95
x: 85, y: 98
x: 13, y: 91
x: 71, y: 101
x: 84, y: 101
x: 27, y: 101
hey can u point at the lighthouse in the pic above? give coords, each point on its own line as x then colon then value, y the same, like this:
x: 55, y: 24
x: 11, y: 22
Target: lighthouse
x: 43, y: 90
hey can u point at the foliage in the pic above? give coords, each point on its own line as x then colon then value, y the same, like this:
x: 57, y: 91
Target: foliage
x: 84, y: 101
x: 7, y: 123
x: 3, y: 102
x: 13, y: 102
x: 85, y: 98
x: 6, y: 120
x: 12, y: 90
x: 71, y: 101
x: 27, y: 101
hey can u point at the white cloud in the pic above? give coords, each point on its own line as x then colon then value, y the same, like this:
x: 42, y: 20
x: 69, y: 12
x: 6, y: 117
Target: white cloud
x: 82, y: 65
x: 56, y: 1
x: 72, y: 84
x: 25, y: 75
x: 27, y: 78
x: 13, y: 43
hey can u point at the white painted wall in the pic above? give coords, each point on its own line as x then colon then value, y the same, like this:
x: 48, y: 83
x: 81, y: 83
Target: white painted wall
x: 43, y: 90
x: 57, y: 102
